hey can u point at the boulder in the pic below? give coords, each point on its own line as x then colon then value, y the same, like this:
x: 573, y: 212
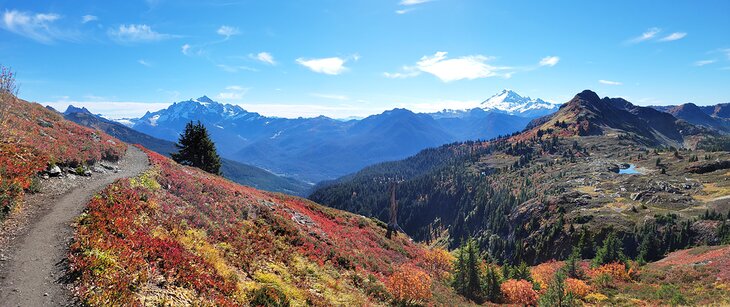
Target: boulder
x: 54, y: 171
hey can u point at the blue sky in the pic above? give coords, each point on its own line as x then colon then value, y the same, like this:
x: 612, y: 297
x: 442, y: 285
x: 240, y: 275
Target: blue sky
x: 354, y: 58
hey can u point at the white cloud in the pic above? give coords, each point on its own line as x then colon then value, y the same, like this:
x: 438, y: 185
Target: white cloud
x: 227, y: 31
x: 234, y: 92
x: 36, y: 26
x: 673, y: 37
x: 235, y: 88
x: 136, y: 33
x: 144, y: 63
x: 234, y: 69
x: 704, y: 62
x: 403, y: 11
x: 549, y: 61
x: 88, y: 18
x: 329, y: 66
x: 413, y: 2
x: 649, y: 34
x: 466, y: 67
x: 330, y: 96
x: 407, y: 72
x: 264, y: 57
x: 609, y: 82
x: 185, y: 49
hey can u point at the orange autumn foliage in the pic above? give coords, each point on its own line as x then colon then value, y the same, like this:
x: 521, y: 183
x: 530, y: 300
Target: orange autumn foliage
x: 576, y: 286
x: 616, y: 270
x: 519, y: 292
x: 409, y: 285
x: 544, y: 273
x: 438, y: 261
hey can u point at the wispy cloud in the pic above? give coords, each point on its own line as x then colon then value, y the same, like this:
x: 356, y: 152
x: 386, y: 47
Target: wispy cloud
x: 144, y: 63
x: 233, y: 92
x: 36, y: 26
x: 136, y: 33
x: 609, y: 82
x: 329, y: 66
x: 413, y: 2
x: 227, y: 31
x: 88, y: 18
x: 235, y: 68
x: 704, y: 62
x: 673, y: 37
x: 549, y: 61
x: 410, y: 6
x: 647, y: 35
x: 185, y: 49
x: 406, y: 72
x: 330, y: 96
x: 264, y: 57
x: 725, y: 51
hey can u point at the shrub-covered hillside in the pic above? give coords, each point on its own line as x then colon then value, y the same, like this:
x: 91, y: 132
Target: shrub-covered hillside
x: 179, y: 235
x: 33, y: 137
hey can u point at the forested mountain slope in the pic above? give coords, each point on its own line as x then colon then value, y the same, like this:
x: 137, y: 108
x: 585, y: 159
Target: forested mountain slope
x: 533, y: 195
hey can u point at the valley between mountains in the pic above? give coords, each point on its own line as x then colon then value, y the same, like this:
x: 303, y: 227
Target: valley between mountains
x: 593, y: 202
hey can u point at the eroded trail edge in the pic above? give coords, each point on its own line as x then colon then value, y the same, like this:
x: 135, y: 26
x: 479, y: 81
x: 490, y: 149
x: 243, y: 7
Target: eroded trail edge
x: 33, y: 274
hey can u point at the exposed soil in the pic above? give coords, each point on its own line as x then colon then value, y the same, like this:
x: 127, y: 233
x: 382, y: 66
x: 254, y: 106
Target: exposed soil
x: 35, y: 241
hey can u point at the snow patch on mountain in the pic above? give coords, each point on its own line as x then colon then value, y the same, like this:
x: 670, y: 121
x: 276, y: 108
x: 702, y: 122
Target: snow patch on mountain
x: 512, y: 103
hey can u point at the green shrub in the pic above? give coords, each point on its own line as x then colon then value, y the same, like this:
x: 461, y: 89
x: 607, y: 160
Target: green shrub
x: 671, y: 294
x: 269, y: 296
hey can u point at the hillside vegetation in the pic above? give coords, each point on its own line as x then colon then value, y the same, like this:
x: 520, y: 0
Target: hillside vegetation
x: 177, y: 235
x: 33, y: 138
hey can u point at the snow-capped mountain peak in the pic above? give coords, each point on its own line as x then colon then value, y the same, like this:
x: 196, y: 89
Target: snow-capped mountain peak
x: 512, y: 103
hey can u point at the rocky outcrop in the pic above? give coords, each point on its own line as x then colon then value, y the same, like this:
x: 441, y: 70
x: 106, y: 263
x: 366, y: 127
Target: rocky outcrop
x: 708, y: 167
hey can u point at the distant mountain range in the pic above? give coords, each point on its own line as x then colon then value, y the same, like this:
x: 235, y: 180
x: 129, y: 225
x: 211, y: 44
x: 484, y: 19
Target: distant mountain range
x: 235, y: 171
x: 588, y: 114
x: 712, y: 116
x: 529, y: 196
x: 322, y: 148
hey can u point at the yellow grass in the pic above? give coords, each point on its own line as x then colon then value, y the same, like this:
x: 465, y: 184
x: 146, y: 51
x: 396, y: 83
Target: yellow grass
x: 712, y: 191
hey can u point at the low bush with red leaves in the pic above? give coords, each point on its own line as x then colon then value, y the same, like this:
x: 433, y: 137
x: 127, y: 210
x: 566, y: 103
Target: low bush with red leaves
x: 33, y: 137
x: 188, y: 234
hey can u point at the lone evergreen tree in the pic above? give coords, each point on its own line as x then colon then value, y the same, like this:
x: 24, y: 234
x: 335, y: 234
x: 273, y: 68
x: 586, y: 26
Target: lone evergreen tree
x: 197, y: 149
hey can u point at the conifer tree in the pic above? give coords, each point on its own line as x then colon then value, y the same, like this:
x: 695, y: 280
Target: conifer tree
x: 459, y: 282
x: 197, y: 149
x: 521, y: 272
x: 490, y: 284
x: 473, y: 286
x: 572, y: 268
x: 555, y: 295
x: 611, y: 251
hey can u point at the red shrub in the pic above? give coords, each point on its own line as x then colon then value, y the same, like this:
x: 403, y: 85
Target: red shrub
x: 140, y: 227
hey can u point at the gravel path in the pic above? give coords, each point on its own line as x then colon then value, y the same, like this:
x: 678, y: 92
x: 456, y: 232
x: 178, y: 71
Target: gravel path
x: 32, y: 272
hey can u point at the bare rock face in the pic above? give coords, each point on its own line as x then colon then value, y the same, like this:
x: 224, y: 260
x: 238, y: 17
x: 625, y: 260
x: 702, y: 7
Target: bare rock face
x: 708, y: 167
